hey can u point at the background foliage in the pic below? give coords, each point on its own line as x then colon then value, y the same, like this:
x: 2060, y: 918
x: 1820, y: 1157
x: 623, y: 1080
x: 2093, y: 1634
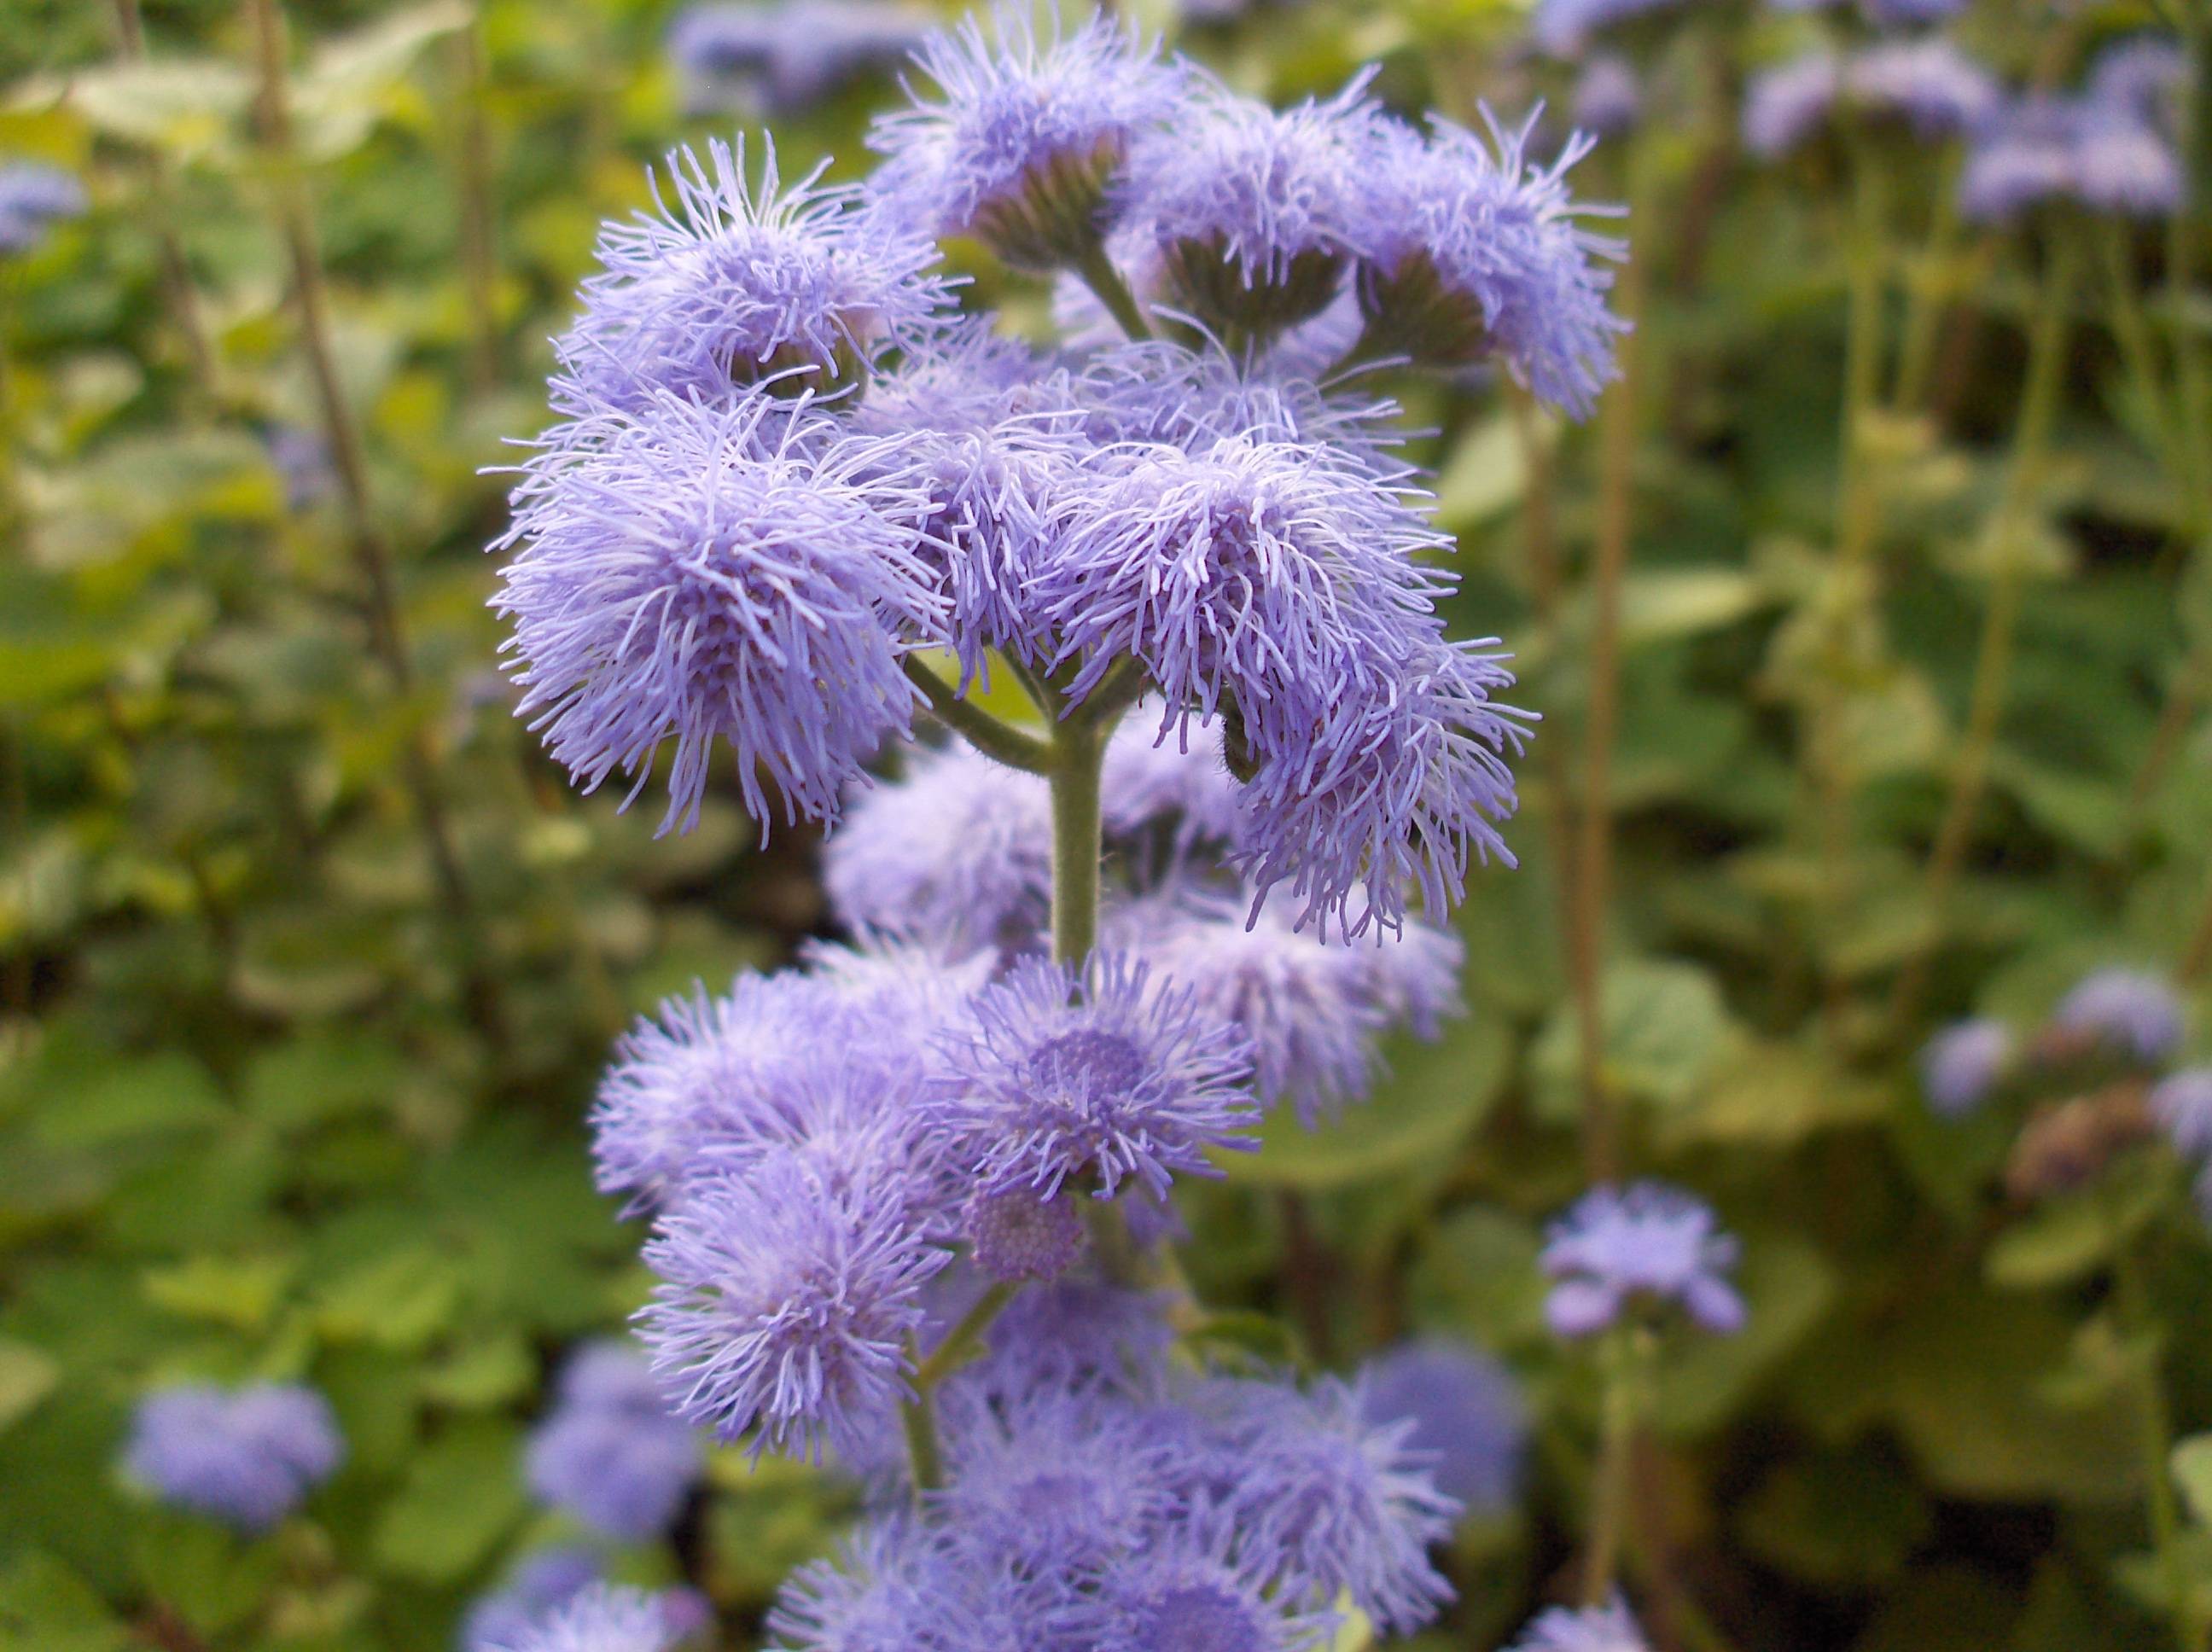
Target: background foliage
x: 307, y: 959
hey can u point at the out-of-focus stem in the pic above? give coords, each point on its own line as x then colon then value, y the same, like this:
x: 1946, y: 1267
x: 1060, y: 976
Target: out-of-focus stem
x: 1594, y: 845
x: 2046, y: 360
x: 161, y: 196
x: 1625, y: 1354
x: 918, y: 1414
x: 1553, y: 754
x: 479, y: 225
x: 296, y: 223
x: 1097, y: 272
x: 1931, y: 298
x: 2139, y: 1323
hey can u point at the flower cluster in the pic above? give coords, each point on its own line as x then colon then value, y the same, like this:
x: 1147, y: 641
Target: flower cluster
x: 1096, y: 1496
x: 786, y: 465
x: 1925, y: 87
x: 1645, y: 1246
x: 247, y: 1456
x: 903, y: 1192
x: 597, y: 1617
x: 32, y: 197
x: 1608, y: 1628
x: 608, y: 1453
x: 783, y: 58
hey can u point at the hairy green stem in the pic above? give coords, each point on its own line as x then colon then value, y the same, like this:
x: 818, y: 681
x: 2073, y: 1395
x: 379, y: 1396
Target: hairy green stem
x: 2048, y: 336
x: 993, y: 738
x: 295, y: 221
x: 1078, y: 748
x: 1097, y: 272
x: 918, y: 1415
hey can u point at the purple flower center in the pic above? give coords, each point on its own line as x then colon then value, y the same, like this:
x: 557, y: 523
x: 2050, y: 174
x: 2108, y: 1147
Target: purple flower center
x: 1198, y: 1618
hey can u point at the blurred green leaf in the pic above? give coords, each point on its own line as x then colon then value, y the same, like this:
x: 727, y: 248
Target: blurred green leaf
x: 462, y: 1494
x: 46, y: 1607
x: 28, y: 1375
x: 1665, y: 1029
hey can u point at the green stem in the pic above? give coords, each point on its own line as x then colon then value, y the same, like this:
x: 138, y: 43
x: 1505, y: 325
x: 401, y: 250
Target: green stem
x: 479, y: 216
x: 993, y: 738
x: 295, y: 222
x: 1097, y: 272
x: 1931, y: 295
x: 918, y: 1416
x: 1078, y: 751
x: 2139, y: 1324
x: 1626, y: 1351
x: 2194, y: 377
x: 2039, y: 406
x: 2138, y: 353
x: 1608, y: 570
x: 161, y: 212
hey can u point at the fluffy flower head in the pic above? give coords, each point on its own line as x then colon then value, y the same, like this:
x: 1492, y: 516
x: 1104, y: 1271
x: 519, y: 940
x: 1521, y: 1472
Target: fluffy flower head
x: 32, y: 197
x: 1963, y: 1063
x: 246, y: 1457
x: 697, y: 575
x: 603, y: 1618
x: 1465, y: 1414
x: 786, y: 1303
x: 1648, y: 1242
x: 2132, y: 1012
x: 734, y: 283
x: 1607, y: 1628
x: 1098, y: 1079
x: 1029, y: 137
x: 609, y: 1453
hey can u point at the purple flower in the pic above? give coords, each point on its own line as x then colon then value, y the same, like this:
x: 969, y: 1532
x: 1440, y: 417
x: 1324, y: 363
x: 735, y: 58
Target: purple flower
x: 2043, y: 148
x: 1030, y: 135
x: 893, y: 1588
x: 1074, y: 1333
x: 1312, y: 1007
x: 33, y: 197
x: 1910, y: 13
x: 708, y: 1068
x: 1263, y: 572
x: 1248, y: 209
x: 2124, y: 165
x: 610, y: 1453
x: 2132, y: 1012
x: 1472, y: 249
x: 690, y: 574
x: 1098, y: 1077
x: 1188, y: 1592
x: 1929, y: 84
x: 1607, y: 1628
x: 247, y: 1456
x: 602, y: 1619
x: 1014, y: 1234
x: 736, y: 285
x: 1324, y: 1501
x: 1649, y: 1244
x: 1608, y: 99
x: 1565, y: 28
x: 536, y: 1589
x: 1963, y: 1064
x: 1465, y: 1414
x: 782, y: 59
x: 2143, y: 73
x: 1394, y: 791
x: 1784, y: 106
x: 1152, y: 775
x: 2182, y: 1105
x: 1056, y: 1480
x: 786, y: 1303
x: 302, y: 460
x: 957, y: 853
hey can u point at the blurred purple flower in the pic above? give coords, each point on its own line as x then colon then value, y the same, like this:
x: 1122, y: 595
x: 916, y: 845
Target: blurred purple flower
x: 1646, y: 1243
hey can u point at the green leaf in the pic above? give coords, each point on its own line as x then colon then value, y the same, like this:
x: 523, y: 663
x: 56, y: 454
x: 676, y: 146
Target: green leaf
x: 322, y: 1076
x: 1788, y: 1286
x: 46, y: 1607
x: 188, y: 106
x: 2063, y: 1238
x: 1666, y: 1028
x: 1484, y: 477
x: 239, y: 1291
x: 200, y: 1570
x: 352, y: 81
x: 1660, y: 605
x: 462, y: 1494
x: 2192, y: 1471
x: 28, y: 1375
x: 1425, y: 1110
x: 488, y: 1372
x: 399, y: 1301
